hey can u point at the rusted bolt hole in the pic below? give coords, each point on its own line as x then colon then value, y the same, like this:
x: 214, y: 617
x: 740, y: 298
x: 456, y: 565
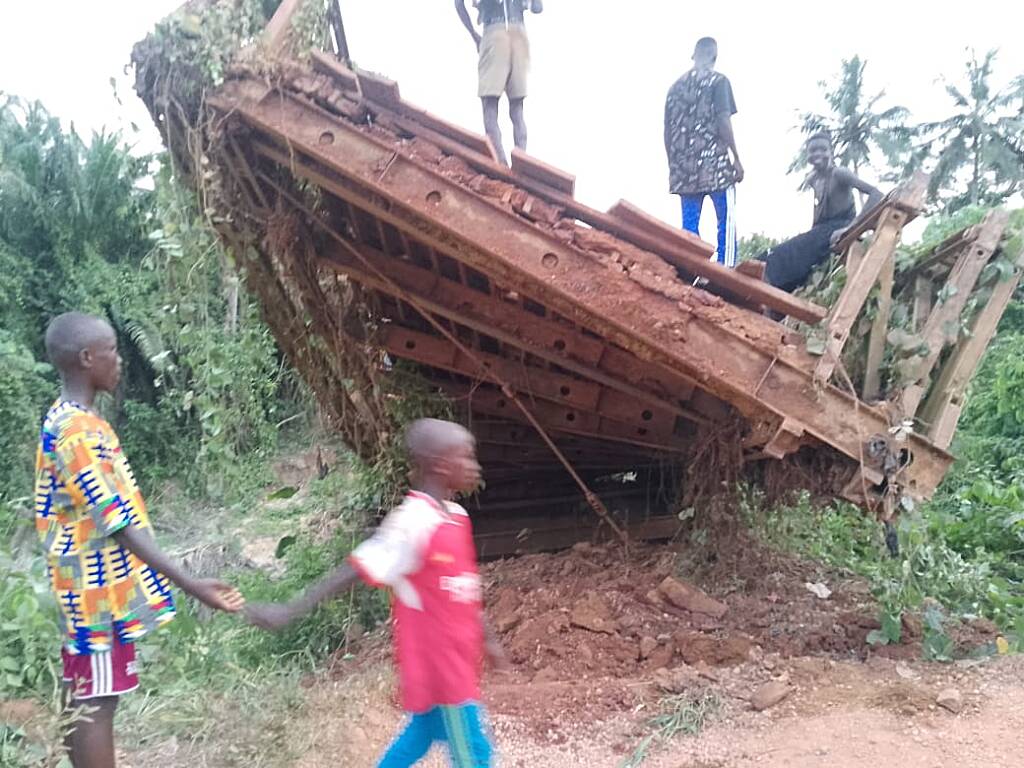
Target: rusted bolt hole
x: 559, y: 344
x: 326, y: 138
x: 564, y: 390
x: 646, y: 415
x: 434, y: 197
x: 570, y: 416
x: 501, y: 403
x: 410, y: 344
x: 549, y: 260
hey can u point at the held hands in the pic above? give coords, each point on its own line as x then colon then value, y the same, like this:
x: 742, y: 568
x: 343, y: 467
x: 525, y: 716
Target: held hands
x: 738, y: 167
x: 217, y: 595
x: 272, y: 617
x: 837, y: 236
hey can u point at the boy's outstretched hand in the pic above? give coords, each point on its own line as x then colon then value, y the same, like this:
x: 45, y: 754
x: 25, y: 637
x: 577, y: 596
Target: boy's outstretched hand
x: 269, y: 616
x: 216, y: 594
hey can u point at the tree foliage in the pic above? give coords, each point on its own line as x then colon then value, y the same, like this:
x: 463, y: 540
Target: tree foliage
x: 86, y: 225
x: 978, y: 150
x: 860, y: 130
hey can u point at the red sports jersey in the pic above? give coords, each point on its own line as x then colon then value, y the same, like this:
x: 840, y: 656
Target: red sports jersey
x: 425, y: 554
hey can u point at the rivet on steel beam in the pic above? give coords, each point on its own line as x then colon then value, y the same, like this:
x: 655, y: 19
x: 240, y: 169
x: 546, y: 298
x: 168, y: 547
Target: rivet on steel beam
x: 326, y: 138
x: 434, y: 197
x: 549, y: 260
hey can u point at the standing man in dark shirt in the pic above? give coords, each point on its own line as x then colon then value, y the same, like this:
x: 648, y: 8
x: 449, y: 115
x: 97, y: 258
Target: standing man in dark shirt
x: 699, y: 141
x: 504, y: 62
x: 790, y: 263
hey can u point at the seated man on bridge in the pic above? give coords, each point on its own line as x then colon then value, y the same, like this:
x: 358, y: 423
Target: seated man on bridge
x: 790, y: 263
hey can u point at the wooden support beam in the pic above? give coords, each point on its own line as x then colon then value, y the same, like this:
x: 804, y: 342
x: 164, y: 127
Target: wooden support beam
x: 942, y: 409
x: 879, y: 330
x: 962, y: 279
x: 858, y: 286
x: 923, y: 289
x: 908, y: 197
x: 279, y: 29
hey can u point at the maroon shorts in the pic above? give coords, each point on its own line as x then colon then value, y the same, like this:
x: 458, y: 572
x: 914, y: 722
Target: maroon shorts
x: 108, y: 673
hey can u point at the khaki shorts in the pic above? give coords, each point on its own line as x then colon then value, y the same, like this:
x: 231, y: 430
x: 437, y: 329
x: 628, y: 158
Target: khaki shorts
x: 504, y: 61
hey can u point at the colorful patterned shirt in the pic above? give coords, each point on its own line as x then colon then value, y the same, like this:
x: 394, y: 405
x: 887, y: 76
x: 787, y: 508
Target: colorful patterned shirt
x: 85, y: 493
x: 698, y: 159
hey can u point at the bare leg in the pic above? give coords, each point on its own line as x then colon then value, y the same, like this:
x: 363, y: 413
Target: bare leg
x: 491, y: 125
x: 90, y: 740
x: 515, y: 112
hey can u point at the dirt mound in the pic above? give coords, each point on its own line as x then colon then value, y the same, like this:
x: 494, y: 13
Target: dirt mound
x: 591, y: 612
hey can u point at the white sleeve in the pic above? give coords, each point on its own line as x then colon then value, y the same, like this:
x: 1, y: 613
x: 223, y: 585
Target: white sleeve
x: 395, y: 550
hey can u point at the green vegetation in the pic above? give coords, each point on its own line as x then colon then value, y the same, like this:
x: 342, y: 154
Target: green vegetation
x: 685, y: 714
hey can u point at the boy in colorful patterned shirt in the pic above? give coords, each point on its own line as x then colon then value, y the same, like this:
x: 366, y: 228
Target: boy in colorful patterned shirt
x: 424, y: 553
x: 111, y: 580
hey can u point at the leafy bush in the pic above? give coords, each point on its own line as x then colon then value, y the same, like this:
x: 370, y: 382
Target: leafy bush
x: 25, y: 388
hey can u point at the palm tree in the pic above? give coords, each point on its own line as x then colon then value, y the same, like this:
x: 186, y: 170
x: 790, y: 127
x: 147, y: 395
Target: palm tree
x: 856, y: 128
x: 981, y: 144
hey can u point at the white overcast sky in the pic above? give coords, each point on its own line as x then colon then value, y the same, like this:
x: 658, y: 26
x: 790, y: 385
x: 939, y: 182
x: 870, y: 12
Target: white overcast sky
x: 601, y: 69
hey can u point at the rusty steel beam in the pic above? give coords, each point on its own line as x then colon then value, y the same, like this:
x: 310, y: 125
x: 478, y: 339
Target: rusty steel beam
x: 373, y: 174
x: 529, y: 380
x: 440, y: 353
x: 558, y: 418
x: 516, y: 327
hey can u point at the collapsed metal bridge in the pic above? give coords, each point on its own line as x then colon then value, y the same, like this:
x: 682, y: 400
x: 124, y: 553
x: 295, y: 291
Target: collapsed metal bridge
x: 573, y: 342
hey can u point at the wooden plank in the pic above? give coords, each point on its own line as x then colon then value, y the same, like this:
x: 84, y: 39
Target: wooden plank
x: 378, y: 88
x: 279, y: 29
x: 879, y: 329
x: 923, y: 288
x: 530, y: 167
x: 854, y: 256
x: 942, y: 409
x: 343, y: 77
x: 688, y: 252
x: 858, y: 286
x: 908, y: 197
x: 961, y: 282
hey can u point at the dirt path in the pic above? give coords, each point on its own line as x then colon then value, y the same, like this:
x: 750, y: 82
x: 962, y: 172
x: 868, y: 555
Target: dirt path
x: 844, y: 715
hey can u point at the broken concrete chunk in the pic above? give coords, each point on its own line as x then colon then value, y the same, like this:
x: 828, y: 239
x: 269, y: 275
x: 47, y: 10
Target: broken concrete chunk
x: 769, y: 694
x: 690, y: 598
x: 950, y: 699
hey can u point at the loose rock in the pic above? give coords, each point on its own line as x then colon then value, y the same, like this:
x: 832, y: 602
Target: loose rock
x: 690, y: 598
x: 769, y: 694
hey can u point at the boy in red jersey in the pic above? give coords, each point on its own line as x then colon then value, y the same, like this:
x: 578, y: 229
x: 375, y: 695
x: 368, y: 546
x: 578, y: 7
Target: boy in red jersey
x: 424, y: 553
